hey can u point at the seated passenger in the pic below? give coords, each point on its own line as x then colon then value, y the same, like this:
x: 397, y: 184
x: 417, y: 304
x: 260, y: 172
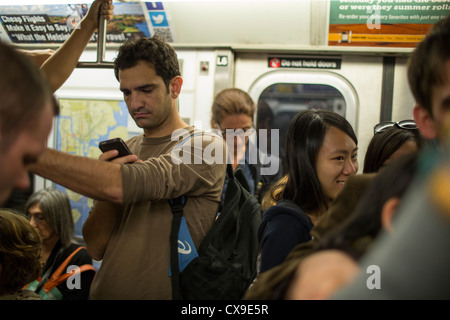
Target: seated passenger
x: 20, y: 246
x: 51, y: 215
x: 321, y: 153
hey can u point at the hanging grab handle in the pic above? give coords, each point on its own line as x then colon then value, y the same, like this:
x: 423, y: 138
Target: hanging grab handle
x: 101, y: 45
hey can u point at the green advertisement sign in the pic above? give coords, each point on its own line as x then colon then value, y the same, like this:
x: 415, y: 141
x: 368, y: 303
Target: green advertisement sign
x: 383, y: 23
x: 388, y: 11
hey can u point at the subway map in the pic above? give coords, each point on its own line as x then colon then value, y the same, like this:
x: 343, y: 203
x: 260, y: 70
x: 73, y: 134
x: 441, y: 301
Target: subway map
x: 81, y: 126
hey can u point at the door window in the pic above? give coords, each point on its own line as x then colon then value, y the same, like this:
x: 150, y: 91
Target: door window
x: 280, y: 95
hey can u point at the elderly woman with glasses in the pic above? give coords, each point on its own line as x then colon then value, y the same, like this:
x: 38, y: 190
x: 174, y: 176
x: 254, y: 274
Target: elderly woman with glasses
x: 391, y: 140
x: 50, y: 214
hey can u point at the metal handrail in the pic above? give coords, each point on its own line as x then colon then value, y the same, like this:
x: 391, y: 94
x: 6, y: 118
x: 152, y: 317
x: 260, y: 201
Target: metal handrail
x: 101, y: 45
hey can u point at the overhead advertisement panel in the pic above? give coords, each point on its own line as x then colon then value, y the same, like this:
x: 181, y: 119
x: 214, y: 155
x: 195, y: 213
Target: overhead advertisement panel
x: 383, y: 23
x: 33, y: 24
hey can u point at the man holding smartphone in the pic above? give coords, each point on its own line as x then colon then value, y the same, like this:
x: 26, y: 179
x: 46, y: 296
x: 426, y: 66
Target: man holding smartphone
x: 129, y: 225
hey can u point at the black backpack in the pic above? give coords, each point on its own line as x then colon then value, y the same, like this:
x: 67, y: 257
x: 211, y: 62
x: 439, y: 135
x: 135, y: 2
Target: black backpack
x: 226, y: 262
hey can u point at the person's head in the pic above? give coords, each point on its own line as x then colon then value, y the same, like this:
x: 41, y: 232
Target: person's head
x: 375, y: 210
x: 149, y: 76
x: 391, y: 141
x: 233, y: 110
x: 321, y: 153
x: 50, y: 213
x: 429, y: 79
x: 20, y: 248
x: 27, y: 108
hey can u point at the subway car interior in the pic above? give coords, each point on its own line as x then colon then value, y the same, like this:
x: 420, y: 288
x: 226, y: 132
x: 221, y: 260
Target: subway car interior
x: 349, y: 57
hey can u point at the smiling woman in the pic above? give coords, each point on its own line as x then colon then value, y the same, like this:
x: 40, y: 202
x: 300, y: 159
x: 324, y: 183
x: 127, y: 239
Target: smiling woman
x: 321, y: 153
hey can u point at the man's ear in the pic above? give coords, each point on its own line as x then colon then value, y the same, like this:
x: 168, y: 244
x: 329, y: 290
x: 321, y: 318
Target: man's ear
x: 425, y: 122
x: 387, y: 213
x: 175, y: 86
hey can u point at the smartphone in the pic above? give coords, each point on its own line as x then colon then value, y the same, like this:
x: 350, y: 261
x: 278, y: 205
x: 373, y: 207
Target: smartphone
x: 115, y: 144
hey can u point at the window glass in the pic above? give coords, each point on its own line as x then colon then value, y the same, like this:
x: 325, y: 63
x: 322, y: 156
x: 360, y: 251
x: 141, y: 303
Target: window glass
x: 279, y: 102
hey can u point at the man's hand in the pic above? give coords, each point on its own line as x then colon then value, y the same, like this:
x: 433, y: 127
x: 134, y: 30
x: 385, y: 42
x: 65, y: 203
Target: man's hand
x: 91, y: 20
x: 108, y: 155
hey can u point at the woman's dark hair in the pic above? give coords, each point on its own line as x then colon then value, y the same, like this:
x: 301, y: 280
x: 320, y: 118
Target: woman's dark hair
x: 385, y: 143
x: 304, y: 139
x: 356, y: 233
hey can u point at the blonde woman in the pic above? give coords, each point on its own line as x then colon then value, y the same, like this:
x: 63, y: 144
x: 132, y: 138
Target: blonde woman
x: 233, y: 113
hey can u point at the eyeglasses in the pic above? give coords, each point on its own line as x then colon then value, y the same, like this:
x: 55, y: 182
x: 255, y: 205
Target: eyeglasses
x: 404, y: 124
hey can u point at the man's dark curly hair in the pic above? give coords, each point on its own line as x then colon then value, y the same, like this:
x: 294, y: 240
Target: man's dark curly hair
x: 155, y: 51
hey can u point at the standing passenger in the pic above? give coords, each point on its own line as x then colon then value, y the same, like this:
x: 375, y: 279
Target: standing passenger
x: 58, y: 66
x: 429, y: 80
x: 333, y: 260
x: 232, y: 111
x: 321, y: 153
x: 26, y: 116
x: 129, y: 230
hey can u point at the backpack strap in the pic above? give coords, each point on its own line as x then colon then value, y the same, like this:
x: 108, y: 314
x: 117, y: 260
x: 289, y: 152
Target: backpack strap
x: 56, y: 278
x: 230, y: 171
x: 176, y: 206
x: 54, y: 283
x: 238, y: 174
x: 46, y: 276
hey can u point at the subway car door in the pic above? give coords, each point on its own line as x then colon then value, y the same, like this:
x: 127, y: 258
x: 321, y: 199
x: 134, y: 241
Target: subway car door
x: 349, y: 84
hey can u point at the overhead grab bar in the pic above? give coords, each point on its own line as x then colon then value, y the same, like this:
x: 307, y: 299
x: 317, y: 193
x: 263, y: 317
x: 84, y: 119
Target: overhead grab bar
x: 101, y: 45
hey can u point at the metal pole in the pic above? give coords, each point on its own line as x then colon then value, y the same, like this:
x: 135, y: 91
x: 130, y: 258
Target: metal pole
x: 101, y: 45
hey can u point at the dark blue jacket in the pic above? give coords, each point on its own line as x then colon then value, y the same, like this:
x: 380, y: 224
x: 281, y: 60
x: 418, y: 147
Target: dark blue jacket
x: 283, y: 227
